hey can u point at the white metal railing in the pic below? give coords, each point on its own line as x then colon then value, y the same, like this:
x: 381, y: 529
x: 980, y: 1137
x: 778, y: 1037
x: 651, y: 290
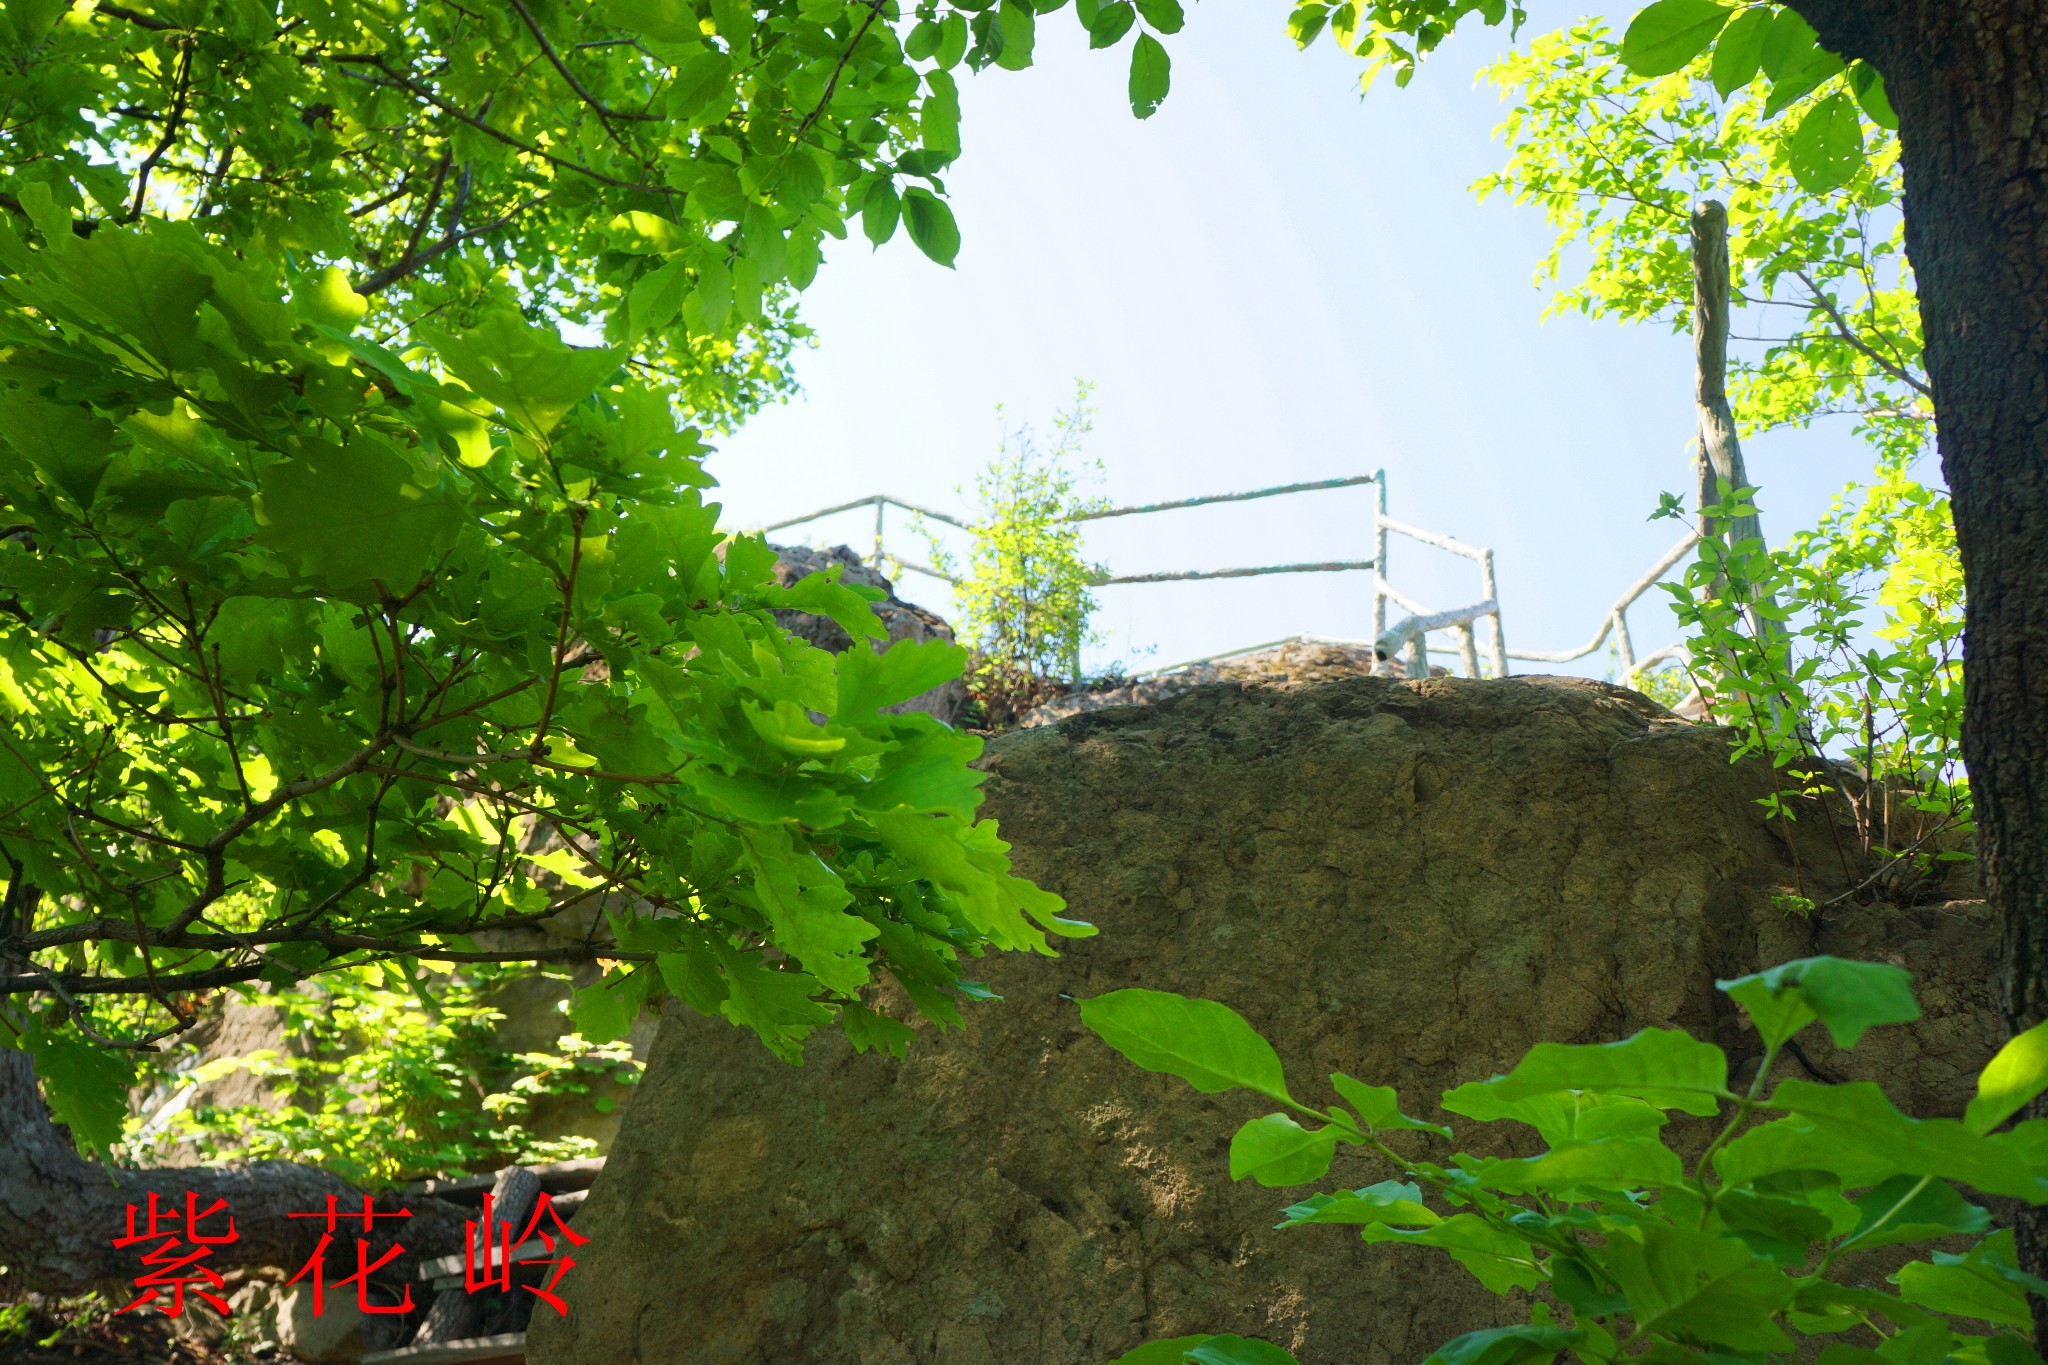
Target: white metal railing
x: 1406, y: 640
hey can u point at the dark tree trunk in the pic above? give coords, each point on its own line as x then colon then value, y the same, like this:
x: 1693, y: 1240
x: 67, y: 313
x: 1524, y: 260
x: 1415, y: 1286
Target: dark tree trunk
x: 59, y: 1214
x: 1969, y: 79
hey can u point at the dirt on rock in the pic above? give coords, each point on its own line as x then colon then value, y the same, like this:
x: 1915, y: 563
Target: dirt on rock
x: 1409, y: 881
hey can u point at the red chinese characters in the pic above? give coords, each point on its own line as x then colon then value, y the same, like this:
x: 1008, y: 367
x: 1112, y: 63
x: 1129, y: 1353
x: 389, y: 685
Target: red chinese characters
x: 177, y: 1262
x: 316, y: 1265
x: 488, y: 1266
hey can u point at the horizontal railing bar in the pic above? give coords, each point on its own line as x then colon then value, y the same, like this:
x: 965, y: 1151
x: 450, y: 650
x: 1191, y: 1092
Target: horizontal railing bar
x: 1333, y: 566
x: 1401, y: 634
x: 1225, y: 497
x: 1450, y: 543
x: 1621, y: 604
x: 923, y: 569
x: 1403, y: 600
x: 869, y: 501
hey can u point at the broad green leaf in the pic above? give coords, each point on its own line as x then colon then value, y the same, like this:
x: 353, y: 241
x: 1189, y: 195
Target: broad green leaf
x: 1794, y: 60
x: 86, y: 1087
x: 1497, y: 1259
x: 1170, y: 1352
x: 327, y: 299
x: 1164, y: 16
x: 1739, y: 54
x: 869, y: 680
x: 1965, y: 1292
x: 1930, y: 1210
x: 1869, y: 87
x: 350, y: 514
x: 2009, y: 1080
x: 1612, y: 1164
x: 1389, y: 1201
x: 1379, y: 1107
x: 604, y: 1010
x: 1019, y: 25
x: 1667, y: 35
x: 1307, y: 21
x: 1858, y: 1117
x: 523, y: 369
x: 1695, y: 1285
x: 1235, y: 1350
x: 1111, y: 23
x: 1527, y: 1345
x: 881, y: 209
x: 931, y: 225
x: 1663, y: 1067
x: 1793, y: 1145
x: 1151, y: 75
x: 1826, y: 149
x: 1849, y: 997
x: 1208, y: 1045
x: 1782, y: 1230
x: 1276, y: 1151
x: 1562, y: 1116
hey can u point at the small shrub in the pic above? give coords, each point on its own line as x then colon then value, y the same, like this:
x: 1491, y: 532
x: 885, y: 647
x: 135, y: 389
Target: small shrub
x: 1636, y: 1253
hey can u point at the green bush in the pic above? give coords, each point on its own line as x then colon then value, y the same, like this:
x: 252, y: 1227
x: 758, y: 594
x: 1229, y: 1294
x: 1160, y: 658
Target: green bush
x: 1623, y: 1247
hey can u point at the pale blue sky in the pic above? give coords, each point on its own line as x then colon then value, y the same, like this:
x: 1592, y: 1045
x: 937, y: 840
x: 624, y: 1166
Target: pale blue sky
x: 1270, y: 281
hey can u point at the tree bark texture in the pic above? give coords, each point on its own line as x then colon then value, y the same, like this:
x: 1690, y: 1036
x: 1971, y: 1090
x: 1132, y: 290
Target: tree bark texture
x: 1969, y: 79
x: 60, y: 1214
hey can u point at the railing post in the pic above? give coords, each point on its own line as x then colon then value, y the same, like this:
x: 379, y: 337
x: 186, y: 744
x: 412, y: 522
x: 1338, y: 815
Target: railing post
x: 1468, y: 646
x: 1491, y: 592
x: 1379, y: 558
x: 1624, y: 644
x: 876, y: 562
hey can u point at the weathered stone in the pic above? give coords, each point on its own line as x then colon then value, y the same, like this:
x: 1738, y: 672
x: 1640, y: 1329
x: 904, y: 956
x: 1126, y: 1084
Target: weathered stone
x: 1409, y: 881
x: 1294, y: 663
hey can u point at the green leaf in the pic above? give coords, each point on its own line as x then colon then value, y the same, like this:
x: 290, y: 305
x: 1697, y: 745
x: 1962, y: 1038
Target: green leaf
x: 1931, y: 1210
x: 1234, y: 1350
x: 869, y: 681
x: 1379, y: 1107
x: 1794, y: 60
x: 1739, y: 54
x: 1307, y: 21
x: 604, y: 1010
x: 2009, y: 1080
x: 931, y: 225
x: 1111, y: 23
x: 1669, y: 34
x: 1965, y: 1292
x: 1208, y: 1045
x: 348, y: 515
x: 1527, y: 1345
x: 1858, y: 1117
x: 1497, y: 1259
x: 1019, y: 25
x: 1387, y: 1202
x: 1869, y: 87
x: 1170, y: 1352
x: 1849, y: 997
x: 1826, y: 149
x: 85, y: 1085
x: 328, y: 300
x: 1793, y: 1145
x: 1613, y: 1164
x: 1564, y: 1116
x: 523, y: 369
x: 1277, y: 1151
x: 1164, y: 16
x: 1691, y: 1284
x: 1151, y: 75
x: 1663, y: 1067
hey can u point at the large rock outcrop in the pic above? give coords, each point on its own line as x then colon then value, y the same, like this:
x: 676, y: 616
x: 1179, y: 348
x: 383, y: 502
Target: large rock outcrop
x: 1409, y: 881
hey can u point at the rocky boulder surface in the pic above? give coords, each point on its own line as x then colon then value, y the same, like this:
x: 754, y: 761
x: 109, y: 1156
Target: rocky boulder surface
x: 1409, y: 881
x: 1294, y: 663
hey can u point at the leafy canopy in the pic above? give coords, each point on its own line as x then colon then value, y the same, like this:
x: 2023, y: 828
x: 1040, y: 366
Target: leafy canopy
x: 1738, y: 1253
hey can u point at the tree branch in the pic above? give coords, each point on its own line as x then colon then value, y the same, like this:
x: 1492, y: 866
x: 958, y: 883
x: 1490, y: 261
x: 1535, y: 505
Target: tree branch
x: 596, y: 104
